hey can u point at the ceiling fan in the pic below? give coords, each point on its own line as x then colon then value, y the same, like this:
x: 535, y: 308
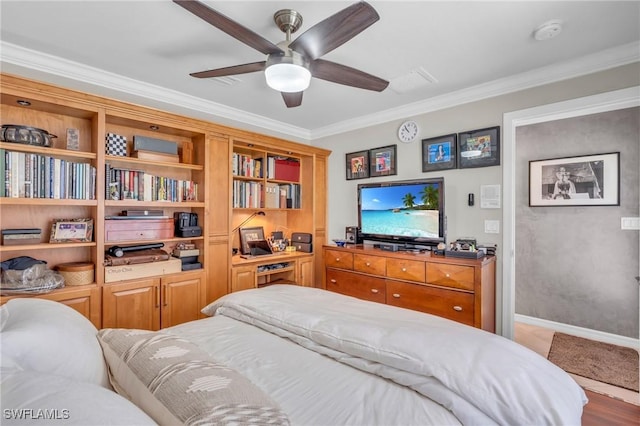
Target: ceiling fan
x: 291, y: 64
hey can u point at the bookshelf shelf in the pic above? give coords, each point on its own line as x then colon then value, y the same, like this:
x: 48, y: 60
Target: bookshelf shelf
x: 44, y: 246
x: 51, y: 152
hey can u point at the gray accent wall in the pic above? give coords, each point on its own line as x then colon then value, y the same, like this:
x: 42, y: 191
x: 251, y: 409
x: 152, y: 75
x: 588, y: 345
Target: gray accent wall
x: 575, y: 265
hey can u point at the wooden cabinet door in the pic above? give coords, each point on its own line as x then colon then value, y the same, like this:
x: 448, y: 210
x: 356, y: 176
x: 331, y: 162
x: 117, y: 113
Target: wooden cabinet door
x: 132, y: 304
x: 85, y: 300
x: 305, y: 272
x: 181, y: 298
x: 243, y: 277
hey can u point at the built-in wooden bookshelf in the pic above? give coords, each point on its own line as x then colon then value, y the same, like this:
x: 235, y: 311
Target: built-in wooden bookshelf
x: 206, y: 153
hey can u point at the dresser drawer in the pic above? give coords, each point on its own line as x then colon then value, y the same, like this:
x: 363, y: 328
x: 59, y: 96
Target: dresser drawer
x: 374, y: 265
x: 451, y: 304
x: 411, y: 270
x: 455, y: 276
x: 356, y: 285
x: 338, y: 259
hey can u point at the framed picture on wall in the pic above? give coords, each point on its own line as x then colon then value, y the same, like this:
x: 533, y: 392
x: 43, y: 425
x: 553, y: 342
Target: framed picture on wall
x: 382, y: 161
x: 479, y: 148
x: 586, y: 180
x: 357, y: 165
x: 439, y: 153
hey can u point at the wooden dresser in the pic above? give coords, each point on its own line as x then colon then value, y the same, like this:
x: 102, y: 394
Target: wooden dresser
x: 459, y: 289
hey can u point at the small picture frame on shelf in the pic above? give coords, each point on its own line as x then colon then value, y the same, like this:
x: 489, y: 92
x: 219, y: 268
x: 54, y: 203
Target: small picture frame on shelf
x: 439, y: 153
x: 357, y: 165
x: 479, y: 148
x: 71, y: 231
x: 382, y: 161
x: 73, y: 139
x: 250, y: 234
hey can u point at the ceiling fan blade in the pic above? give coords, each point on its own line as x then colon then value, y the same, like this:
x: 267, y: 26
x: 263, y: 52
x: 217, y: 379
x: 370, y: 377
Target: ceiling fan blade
x: 334, y: 31
x: 236, y: 69
x: 292, y: 99
x: 342, y: 74
x: 229, y: 26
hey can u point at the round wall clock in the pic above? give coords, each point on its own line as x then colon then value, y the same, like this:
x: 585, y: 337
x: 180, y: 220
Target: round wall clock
x: 408, y: 131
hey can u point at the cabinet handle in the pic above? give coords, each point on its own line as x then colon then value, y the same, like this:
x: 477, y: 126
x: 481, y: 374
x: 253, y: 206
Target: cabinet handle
x: 447, y: 275
x: 404, y: 269
x: 156, y: 290
x: 396, y: 295
x: 164, y: 295
x: 337, y: 259
x: 374, y: 290
x: 333, y: 281
x: 368, y: 263
x: 457, y: 308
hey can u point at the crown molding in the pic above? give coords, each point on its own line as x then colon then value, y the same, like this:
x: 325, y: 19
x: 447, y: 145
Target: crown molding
x: 606, y: 59
x: 49, y: 65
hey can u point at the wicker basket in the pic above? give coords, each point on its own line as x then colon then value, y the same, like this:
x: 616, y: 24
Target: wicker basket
x: 76, y: 273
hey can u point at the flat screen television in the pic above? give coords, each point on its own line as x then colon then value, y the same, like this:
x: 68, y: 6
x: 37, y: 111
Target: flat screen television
x: 409, y: 212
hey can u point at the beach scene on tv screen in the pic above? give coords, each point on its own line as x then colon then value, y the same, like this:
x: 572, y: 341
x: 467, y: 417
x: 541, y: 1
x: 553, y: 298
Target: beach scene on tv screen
x: 404, y: 210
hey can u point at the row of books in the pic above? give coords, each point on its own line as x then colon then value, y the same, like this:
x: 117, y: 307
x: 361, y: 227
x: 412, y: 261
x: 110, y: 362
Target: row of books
x: 125, y: 184
x: 245, y: 165
x: 29, y: 175
x: 271, y: 195
x: 278, y: 168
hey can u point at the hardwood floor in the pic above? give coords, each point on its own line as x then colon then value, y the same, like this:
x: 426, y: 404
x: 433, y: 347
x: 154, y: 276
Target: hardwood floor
x: 604, y: 410
x: 608, y: 405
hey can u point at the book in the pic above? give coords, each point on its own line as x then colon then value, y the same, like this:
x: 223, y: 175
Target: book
x: 21, y: 231
x: 186, y: 252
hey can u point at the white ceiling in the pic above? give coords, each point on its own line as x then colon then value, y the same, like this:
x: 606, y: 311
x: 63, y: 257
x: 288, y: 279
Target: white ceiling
x: 144, y: 51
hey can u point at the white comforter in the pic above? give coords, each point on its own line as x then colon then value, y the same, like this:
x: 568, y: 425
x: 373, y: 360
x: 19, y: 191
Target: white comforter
x: 481, y: 377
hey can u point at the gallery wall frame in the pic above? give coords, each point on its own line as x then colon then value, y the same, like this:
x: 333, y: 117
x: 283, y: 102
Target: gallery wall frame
x: 357, y: 165
x: 439, y: 153
x: 479, y: 148
x: 585, y: 180
x: 382, y: 161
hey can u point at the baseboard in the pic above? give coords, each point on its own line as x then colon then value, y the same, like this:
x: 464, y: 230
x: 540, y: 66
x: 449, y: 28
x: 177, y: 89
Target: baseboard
x: 600, y: 336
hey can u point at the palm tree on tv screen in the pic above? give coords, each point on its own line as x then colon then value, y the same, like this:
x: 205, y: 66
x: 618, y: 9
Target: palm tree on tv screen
x: 430, y: 197
x: 409, y: 200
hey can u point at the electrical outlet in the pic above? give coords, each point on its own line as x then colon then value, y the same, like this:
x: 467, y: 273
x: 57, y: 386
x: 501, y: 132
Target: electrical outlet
x: 632, y: 223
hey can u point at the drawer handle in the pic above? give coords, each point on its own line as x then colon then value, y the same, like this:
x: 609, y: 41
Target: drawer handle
x: 337, y: 259
x: 374, y: 290
x: 368, y: 264
x: 447, y: 275
x: 457, y: 308
x: 396, y: 295
x: 404, y: 269
x: 333, y: 281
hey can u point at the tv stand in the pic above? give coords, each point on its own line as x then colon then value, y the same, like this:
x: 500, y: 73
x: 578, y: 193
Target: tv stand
x: 459, y: 289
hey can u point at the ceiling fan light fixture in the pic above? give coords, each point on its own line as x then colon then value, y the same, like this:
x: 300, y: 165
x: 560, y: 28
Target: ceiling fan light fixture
x: 287, y: 74
x: 287, y: 77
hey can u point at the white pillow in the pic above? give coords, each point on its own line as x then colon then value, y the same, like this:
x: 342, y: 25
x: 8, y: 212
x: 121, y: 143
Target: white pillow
x: 176, y: 382
x: 33, y: 398
x: 50, y: 337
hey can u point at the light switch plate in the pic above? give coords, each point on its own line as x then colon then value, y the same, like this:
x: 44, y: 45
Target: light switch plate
x: 630, y: 223
x: 491, y: 226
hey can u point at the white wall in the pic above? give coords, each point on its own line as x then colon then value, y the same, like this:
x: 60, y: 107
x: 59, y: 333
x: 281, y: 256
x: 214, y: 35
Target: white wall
x: 463, y: 221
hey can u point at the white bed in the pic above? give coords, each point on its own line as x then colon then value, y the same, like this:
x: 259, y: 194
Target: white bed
x: 327, y: 359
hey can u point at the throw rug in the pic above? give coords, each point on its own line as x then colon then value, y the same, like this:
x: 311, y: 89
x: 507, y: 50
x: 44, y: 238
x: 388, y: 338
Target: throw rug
x: 604, y: 362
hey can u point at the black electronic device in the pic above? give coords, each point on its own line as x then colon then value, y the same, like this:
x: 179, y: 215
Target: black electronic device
x: 352, y: 235
x: 471, y: 200
x: 118, y: 251
x: 188, y: 231
x: 388, y: 247
x: 185, y: 219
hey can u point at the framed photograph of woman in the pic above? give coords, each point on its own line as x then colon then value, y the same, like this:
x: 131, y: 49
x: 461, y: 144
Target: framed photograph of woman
x: 439, y: 153
x: 586, y: 180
